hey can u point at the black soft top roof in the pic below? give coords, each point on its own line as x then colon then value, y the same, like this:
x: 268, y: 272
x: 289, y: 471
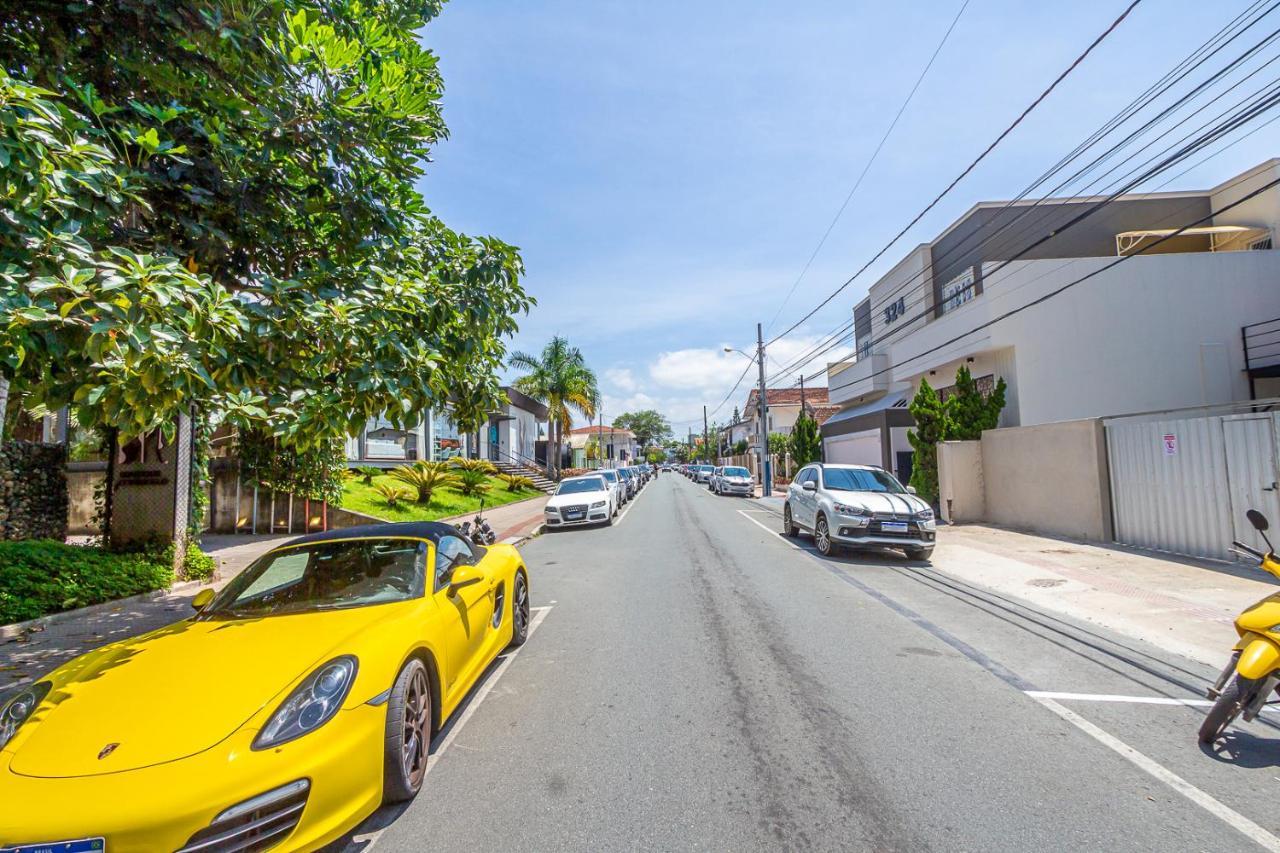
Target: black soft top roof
x: 432, y: 530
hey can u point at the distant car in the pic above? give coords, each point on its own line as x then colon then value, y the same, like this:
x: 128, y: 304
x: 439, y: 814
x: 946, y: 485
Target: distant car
x: 715, y: 476
x: 735, y: 480
x: 857, y: 505
x: 284, y: 711
x: 630, y: 481
x: 581, y: 500
x: 703, y: 473
x: 615, y: 482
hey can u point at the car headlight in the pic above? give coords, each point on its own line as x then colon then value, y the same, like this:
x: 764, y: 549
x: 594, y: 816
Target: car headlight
x: 856, y: 511
x: 311, y: 705
x: 17, y: 710
x: 598, y: 504
x: 924, y: 515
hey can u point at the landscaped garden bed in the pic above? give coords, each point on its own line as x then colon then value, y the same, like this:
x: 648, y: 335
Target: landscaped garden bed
x: 43, y: 576
x: 445, y: 502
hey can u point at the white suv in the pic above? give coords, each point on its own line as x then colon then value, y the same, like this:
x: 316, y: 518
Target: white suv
x: 857, y: 505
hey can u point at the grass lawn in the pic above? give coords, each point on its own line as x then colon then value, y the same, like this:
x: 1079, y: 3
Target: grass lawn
x: 358, y: 497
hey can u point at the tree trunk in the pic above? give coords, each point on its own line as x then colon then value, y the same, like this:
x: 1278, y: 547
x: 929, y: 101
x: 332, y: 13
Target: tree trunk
x: 4, y: 402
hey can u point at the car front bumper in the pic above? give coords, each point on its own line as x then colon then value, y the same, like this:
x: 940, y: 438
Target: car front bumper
x: 162, y: 806
x: 595, y: 516
x: 738, y: 488
x: 846, y: 532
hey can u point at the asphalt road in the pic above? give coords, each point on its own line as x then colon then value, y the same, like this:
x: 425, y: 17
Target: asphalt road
x: 697, y: 682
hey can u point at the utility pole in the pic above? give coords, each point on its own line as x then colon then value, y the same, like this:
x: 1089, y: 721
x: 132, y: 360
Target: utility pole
x: 600, y: 441
x: 766, y: 475
x: 706, y: 439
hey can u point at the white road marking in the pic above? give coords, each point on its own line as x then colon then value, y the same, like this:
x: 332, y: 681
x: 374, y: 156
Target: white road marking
x: 1136, y: 700
x: 627, y: 511
x: 368, y: 839
x: 743, y: 513
x: 1224, y: 813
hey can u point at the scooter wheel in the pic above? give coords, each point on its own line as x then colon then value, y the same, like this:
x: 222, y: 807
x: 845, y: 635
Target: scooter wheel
x: 1238, y: 693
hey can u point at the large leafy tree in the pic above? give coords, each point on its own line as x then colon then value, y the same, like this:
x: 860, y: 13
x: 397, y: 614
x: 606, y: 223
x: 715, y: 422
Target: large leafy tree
x: 560, y: 379
x: 214, y: 202
x: 970, y: 410
x: 649, y: 426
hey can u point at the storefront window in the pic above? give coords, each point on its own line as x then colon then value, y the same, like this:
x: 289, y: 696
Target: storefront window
x: 448, y: 440
x: 383, y: 440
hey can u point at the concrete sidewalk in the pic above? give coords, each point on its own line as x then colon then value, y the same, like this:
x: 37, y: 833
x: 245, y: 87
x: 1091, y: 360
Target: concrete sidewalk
x: 513, y: 522
x: 1181, y: 604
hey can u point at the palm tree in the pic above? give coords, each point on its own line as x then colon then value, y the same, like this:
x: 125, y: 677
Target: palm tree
x: 559, y: 379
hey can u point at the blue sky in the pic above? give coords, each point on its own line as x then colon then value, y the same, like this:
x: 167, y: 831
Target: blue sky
x: 666, y: 168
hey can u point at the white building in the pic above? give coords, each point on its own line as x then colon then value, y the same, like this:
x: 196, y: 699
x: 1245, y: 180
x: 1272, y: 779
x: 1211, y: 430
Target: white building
x: 511, y: 435
x: 1073, y: 333
x: 619, y: 446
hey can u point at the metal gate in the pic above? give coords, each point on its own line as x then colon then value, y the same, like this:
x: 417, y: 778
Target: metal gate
x: 1182, y: 483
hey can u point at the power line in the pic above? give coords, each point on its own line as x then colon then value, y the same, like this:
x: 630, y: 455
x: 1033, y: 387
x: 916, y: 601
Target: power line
x: 1070, y: 68
x: 1116, y: 121
x: 867, y: 166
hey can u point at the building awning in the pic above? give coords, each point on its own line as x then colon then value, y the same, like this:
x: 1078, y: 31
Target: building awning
x: 885, y: 412
x: 1127, y: 241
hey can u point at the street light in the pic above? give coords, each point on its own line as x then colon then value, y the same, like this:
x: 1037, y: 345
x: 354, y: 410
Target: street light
x: 763, y: 429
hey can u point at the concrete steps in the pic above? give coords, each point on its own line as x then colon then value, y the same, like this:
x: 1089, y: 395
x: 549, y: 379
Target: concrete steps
x: 539, y: 480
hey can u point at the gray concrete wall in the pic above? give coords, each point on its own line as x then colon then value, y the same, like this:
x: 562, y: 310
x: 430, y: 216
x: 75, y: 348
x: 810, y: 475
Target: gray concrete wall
x: 1050, y: 479
x: 81, y: 485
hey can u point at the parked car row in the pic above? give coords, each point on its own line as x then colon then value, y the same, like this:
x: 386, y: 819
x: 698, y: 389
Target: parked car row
x: 595, y: 498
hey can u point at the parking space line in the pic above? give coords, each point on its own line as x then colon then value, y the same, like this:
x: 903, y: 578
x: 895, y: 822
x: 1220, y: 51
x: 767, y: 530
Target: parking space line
x: 1215, y: 807
x: 627, y: 511
x: 770, y: 530
x: 1111, y: 697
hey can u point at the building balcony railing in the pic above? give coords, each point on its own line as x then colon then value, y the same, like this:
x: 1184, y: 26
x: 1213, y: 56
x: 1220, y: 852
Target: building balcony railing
x: 866, y: 375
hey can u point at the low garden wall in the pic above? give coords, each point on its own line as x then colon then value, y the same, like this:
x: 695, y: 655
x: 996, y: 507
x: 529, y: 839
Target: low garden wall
x: 33, y: 491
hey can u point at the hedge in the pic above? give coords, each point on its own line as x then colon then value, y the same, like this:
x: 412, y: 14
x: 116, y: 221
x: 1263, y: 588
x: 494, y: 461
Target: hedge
x: 38, y: 577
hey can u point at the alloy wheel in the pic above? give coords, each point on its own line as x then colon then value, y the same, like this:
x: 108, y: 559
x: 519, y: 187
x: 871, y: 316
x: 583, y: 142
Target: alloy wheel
x: 822, y: 536
x: 417, y: 728
x: 521, y: 606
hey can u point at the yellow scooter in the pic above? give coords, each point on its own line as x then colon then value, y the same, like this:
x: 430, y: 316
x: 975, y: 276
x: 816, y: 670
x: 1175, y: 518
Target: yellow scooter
x: 1253, y: 673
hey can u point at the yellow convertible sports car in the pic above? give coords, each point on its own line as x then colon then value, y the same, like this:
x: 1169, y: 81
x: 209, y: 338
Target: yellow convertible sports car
x: 283, y: 713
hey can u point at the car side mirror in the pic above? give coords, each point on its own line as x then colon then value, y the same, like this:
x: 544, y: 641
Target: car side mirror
x: 201, y: 599
x: 809, y: 486
x: 911, y: 490
x: 464, y: 576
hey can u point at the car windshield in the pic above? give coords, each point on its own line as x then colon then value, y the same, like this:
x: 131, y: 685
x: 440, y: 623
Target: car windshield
x: 736, y: 472
x: 586, y: 484
x: 623, y: 472
x: 324, y: 576
x: 611, y: 476
x: 861, y: 480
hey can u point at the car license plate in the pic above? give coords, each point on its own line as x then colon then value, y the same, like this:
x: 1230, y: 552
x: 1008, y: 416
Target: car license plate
x: 893, y: 526
x: 82, y: 845
x: 573, y: 516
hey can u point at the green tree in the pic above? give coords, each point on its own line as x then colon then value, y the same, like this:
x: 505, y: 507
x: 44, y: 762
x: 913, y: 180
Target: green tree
x: 648, y: 426
x: 932, y: 426
x: 559, y: 379
x: 806, y: 443
x: 215, y: 205
x: 655, y: 455
x: 970, y: 411
x: 779, y: 443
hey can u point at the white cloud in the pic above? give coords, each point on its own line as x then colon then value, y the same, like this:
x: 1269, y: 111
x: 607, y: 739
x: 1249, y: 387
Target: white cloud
x: 620, y: 378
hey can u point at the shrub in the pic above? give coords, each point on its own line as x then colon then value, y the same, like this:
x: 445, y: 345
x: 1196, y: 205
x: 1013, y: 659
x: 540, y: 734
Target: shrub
x: 366, y: 473
x: 516, y: 483
x: 43, y: 576
x: 472, y: 482
x: 424, y: 478
x: 197, y: 565
x: 393, y: 494
x: 484, y: 466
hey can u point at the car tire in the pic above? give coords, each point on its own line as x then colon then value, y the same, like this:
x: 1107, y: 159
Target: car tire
x: 922, y: 554
x: 608, y: 522
x: 520, y: 611
x: 408, y: 734
x: 788, y: 525
x: 822, y: 537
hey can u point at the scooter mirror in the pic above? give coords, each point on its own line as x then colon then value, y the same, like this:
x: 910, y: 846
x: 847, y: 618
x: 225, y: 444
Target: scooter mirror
x: 1257, y: 519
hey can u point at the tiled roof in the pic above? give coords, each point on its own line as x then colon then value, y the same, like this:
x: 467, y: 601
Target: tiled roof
x: 821, y: 413
x: 592, y: 430
x: 787, y: 397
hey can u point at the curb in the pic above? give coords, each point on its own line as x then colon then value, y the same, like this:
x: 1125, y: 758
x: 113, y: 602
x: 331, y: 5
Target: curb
x: 517, y: 541
x: 8, y: 632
